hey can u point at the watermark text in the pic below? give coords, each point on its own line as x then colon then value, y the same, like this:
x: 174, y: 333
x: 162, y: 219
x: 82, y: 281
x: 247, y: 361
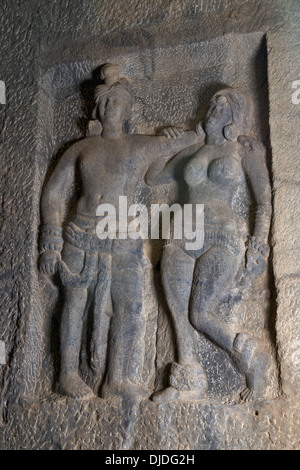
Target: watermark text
x: 182, y: 222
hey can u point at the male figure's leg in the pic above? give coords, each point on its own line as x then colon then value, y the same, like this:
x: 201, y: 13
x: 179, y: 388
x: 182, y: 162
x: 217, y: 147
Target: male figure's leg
x: 70, y: 382
x: 127, y: 327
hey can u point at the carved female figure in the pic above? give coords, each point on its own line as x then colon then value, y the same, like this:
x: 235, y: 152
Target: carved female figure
x: 107, y: 273
x: 194, y: 281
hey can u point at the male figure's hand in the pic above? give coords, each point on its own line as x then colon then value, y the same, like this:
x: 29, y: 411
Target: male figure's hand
x: 48, y: 261
x: 172, y: 132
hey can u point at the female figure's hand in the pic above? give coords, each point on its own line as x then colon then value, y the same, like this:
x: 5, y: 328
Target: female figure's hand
x: 256, y: 257
x: 251, y: 144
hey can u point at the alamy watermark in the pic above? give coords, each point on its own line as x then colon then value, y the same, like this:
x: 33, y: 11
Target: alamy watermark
x: 135, y: 222
x: 2, y: 92
x: 296, y: 93
x: 2, y: 353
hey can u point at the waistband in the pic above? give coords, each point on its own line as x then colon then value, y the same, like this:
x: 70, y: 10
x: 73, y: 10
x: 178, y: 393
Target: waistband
x: 214, y: 237
x: 89, y: 223
x: 89, y: 242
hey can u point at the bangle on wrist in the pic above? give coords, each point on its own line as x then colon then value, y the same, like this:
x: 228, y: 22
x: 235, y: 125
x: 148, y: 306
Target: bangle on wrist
x: 51, y: 238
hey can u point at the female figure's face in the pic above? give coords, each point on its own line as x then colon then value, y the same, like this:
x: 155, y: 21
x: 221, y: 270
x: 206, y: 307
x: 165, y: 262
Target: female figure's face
x: 218, y: 115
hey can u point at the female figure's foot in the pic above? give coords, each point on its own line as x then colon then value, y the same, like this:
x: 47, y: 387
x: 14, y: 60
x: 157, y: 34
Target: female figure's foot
x: 74, y: 387
x: 187, y: 382
x: 123, y: 389
x: 255, y: 363
x: 166, y: 395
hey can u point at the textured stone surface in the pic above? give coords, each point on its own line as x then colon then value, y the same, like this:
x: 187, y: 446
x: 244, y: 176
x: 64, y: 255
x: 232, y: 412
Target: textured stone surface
x: 100, y: 424
x: 284, y: 125
x: 43, y: 44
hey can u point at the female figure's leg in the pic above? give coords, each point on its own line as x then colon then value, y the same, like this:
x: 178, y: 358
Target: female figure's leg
x: 177, y: 277
x: 187, y: 378
x: 214, y: 272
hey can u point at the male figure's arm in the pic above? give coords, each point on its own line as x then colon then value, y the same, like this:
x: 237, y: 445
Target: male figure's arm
x: 158, y: 150
x: 51, y: 241
x: 164, y: 170
x: 166, y: 147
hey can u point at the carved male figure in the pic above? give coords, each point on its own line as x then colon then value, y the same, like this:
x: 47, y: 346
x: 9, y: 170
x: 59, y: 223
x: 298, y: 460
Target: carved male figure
x: 194, y: 281
x: 110, y: 165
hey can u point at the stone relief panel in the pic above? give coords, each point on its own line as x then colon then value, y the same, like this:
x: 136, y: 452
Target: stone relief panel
x: 145, y: 318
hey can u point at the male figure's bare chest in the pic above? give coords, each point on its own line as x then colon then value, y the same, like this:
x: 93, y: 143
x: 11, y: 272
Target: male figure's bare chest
x: 109, y: 169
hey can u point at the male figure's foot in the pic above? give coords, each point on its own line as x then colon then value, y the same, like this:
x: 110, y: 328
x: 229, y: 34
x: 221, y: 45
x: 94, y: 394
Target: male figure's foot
x: 73, y: 386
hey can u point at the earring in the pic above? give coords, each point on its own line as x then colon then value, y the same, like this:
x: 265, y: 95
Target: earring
x: 230, y: 132
x: 94, y: 127
x: 129, y: 127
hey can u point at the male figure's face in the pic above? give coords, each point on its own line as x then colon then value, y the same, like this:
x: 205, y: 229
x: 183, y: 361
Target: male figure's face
x: 112, y: 109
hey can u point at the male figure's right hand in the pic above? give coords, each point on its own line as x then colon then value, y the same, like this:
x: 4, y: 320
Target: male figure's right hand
x: 48, y: 261
x: 172, y: 132
x: 189, y: 137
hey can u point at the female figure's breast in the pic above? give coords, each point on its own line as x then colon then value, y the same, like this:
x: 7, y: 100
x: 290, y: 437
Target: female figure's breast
x: 222, y: 170
x: 225, y: 170
x: 213, y: 179
x: 195, y: 171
